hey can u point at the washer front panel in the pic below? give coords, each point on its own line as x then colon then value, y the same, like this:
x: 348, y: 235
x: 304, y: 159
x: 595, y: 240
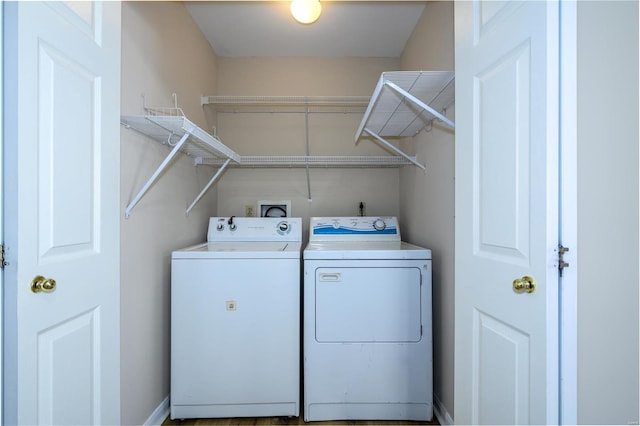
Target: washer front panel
x: 235, y: 337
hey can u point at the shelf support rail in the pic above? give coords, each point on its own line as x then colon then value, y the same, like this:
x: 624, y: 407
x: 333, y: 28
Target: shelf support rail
x: 394, y: 149
x: 418, y: 102
x: 306, y: 129
x: 208, y: 185
x: 155, y: 175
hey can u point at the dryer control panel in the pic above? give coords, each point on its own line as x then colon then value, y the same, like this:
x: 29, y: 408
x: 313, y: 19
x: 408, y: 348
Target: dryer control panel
x: 357, y: 228
x: 254, y: 229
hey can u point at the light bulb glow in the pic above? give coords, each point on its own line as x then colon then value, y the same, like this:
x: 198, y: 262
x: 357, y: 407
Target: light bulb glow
x: 306, y: 11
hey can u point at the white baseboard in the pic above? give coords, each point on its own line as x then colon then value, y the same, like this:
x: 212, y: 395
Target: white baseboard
x: 159, y: 414
x: 443, y: 416
x: 162, y: 411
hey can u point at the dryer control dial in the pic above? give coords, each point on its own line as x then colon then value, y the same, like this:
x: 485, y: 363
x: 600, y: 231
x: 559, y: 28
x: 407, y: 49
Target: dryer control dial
x: 284, y: 228
x: 379, y: 225
x: 220, y: 227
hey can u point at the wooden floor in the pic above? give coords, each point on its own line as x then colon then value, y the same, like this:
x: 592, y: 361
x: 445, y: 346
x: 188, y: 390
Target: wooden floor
x: 282, y: 421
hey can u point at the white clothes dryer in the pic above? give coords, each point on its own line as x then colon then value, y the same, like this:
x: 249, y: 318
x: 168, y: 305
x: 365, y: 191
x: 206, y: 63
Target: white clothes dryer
x: 367, y: 322
x: 235, y: 321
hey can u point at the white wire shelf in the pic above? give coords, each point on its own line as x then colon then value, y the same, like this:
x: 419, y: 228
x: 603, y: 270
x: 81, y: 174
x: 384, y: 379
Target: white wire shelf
x: 422, y: 97
x: 169, y: 125
x: 316, y: 161
x: 404, y: 103
x: 303, y: 101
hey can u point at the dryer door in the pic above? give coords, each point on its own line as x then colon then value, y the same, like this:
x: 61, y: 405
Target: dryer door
x: 368, y: 304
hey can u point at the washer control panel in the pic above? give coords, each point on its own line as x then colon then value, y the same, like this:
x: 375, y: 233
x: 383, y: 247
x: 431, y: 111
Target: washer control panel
x: 357, y: 228
x: 254, y: 229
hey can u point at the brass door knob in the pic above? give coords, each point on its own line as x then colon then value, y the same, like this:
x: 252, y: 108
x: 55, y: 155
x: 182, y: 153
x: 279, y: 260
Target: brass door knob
x: 40, y: 284
x: 525, y: 284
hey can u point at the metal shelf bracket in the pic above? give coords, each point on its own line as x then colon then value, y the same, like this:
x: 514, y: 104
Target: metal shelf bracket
x: 394, y: 148
x: 208, y: 185
x: 162, y: 124
x: 154, y: 176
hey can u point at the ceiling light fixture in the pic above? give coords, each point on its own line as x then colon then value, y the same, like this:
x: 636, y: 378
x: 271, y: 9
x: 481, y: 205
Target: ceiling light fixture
x: 306, y: 11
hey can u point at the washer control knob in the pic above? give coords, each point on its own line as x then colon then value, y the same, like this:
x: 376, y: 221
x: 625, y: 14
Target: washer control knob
x: 220, y: 227
x: 379, y: 225
x: 283, y: 226
x: 233, y: 227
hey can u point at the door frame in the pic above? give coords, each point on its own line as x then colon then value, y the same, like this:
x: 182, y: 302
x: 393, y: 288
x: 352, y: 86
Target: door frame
x: 1, y: 210
x: 568, y: 215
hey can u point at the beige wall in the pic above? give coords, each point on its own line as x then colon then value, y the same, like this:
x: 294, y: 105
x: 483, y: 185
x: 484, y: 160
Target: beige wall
x: 427, y: 198
x: 334, y: 192
x: 608, y: 212
x: 162, y: 53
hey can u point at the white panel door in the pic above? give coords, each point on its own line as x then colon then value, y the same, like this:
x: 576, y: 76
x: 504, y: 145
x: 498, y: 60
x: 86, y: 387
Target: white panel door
x: 507, y: 70
x: 62, y: 346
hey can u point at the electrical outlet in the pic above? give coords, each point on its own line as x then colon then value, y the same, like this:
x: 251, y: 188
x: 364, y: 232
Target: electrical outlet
x: 362, y: 208
x: 249, y: 211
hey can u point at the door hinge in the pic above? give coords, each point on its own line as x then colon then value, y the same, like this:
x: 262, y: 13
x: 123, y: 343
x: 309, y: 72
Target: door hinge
x: 561, y: 263
x: 3, y: 263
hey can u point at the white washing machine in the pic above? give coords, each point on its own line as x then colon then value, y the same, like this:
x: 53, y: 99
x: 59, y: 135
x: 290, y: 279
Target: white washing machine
x: 235, y: 321
x: 367, y: 322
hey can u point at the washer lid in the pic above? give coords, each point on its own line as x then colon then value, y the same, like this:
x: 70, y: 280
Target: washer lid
x: 379, y: 250
x: 240, y: 250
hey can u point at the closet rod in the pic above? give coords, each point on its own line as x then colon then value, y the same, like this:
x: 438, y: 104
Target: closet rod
x: 306, y: 127
x: 316, y: 161
x: 286, y: 100
x: 246, y: 111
